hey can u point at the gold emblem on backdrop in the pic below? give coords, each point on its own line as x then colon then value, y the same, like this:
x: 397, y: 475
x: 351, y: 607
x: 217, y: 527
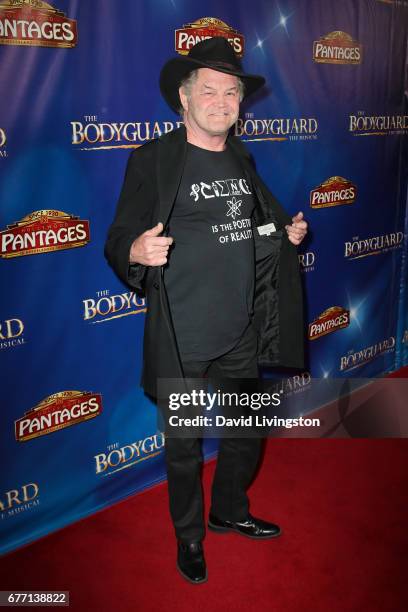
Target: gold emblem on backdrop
x: 330, y: 320
x: 207, y: 27
x: 333, y: 191
x: 337, y: 48
x: 43, y: 231
x: 58, y: 411
x: 35, y: 23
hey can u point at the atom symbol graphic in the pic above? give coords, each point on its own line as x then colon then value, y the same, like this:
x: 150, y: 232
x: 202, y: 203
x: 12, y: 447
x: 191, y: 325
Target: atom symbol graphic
x: 234, y: 207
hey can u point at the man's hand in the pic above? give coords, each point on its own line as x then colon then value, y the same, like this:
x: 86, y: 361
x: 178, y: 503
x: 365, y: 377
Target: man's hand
x: 150, y: 249
x: 297, y: 231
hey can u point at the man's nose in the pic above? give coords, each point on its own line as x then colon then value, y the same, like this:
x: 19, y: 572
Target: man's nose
x: 221, y: 100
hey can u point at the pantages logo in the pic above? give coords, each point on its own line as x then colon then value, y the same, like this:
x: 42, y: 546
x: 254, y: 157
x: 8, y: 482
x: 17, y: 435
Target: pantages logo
x: 3, y: 141
x: 58, y: 411
x: 11, y: 333
x: 355, y: 359
x: 251, y: 129
x: 42, y: 231
x: 207, y: 27
x: 333, y: 191
x: 117, y: 135
x: 119, y: 458
x: 107, y: 307
x: 361, y: 124
x: 35, y: 23
x: 19, y: 500
x: 374, y: 245
x: 306, y: 261
x: 337, y: 48
x: 332, y: 319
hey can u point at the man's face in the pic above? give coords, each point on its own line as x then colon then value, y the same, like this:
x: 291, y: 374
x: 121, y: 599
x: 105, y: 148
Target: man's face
x: 213, y: 105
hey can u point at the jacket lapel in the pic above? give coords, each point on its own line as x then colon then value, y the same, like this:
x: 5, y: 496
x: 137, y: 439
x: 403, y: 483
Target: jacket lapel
x: 245, y: 160
x: 267, y: 205
x: 170, y: 165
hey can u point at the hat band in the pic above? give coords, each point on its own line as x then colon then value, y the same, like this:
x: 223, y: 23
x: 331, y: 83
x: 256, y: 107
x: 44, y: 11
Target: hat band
x: 223, y: 65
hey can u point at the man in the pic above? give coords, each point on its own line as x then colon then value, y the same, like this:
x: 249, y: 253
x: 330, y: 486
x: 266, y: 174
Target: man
x: 199, y: 232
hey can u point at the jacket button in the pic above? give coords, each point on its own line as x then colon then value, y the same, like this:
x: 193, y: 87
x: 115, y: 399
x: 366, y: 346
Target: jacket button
x: 156, y: 285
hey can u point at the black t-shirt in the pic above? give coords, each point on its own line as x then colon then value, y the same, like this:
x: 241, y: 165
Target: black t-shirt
x: 211, y: 269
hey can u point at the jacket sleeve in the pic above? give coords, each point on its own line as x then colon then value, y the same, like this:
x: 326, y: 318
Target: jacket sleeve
x: 133, y: 217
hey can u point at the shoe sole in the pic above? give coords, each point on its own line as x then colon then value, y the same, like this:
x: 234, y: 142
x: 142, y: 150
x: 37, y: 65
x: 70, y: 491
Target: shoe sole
x: 189, y: 579
x: 217, y: 529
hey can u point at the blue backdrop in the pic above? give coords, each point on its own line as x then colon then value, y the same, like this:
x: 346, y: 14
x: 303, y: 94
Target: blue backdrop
x: 79, y: 85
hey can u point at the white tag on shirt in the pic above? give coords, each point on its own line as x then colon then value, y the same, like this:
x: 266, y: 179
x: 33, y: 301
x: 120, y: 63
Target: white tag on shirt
x: 266, y: 230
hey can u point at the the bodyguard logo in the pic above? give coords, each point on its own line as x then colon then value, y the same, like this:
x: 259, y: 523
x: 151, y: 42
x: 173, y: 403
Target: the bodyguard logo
x: 11, y: 333
x: 355, y: 359
x: 361, y: 124
x: 91, y: 134
x: 35, y: 23
x: 373, y: 245
x: 291, y: 385
x: 19, y: 500
x: 3, y: 141
x: 106, y: 307
x: 337, y: 48
x: 307, y: 261
x: 117, y: 458
x: 252, y: 129
x: 204, y: 28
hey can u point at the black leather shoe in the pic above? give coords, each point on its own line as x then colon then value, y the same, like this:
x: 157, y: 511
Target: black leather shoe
x: 251, y: 527
x: 191, y: 562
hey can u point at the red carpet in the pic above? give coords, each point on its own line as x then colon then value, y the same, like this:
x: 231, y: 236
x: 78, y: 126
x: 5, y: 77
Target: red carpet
x: 342, y: 505
x: 401, y: 373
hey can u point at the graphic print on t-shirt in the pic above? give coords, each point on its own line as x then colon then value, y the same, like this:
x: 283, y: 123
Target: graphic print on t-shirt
x: 210, y: 273
x: 227, y: 188
x: 224, y: 188
x: 234, y: 207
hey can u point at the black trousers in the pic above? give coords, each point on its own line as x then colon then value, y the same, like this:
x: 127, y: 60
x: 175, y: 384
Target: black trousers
x: 237, y: 457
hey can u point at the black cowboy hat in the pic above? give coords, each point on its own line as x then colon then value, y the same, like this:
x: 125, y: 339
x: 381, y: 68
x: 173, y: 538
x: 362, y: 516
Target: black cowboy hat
x: 215, y: 53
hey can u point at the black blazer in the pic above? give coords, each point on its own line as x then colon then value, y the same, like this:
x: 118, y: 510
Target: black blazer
x: 148, y: 194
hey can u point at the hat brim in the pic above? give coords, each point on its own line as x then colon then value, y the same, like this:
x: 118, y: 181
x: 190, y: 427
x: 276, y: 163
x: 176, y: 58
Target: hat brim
x: 176, y: 69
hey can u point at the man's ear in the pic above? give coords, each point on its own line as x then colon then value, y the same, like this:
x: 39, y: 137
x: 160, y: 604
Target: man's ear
x: 183, y: 98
